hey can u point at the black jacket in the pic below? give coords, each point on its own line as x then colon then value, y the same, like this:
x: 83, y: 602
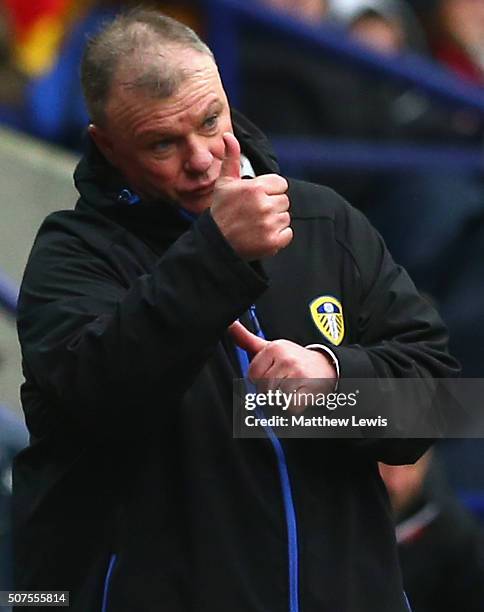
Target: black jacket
x: 133, y: 491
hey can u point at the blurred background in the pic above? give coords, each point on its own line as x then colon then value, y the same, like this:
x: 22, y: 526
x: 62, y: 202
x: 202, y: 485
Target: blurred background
x: 383, y: 100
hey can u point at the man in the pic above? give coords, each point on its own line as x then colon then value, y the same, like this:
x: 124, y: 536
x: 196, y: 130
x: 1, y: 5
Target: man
x: 440, y: 544
x: 134, y: 495
x: 312, y: 11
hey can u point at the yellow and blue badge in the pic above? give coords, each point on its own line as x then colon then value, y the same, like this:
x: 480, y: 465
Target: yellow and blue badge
x: 327, y: 314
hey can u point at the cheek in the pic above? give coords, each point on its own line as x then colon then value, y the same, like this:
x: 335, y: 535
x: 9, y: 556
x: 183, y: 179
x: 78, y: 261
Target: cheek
x: 130, y: 163
x: 160, y: 173
x: 149, y: 176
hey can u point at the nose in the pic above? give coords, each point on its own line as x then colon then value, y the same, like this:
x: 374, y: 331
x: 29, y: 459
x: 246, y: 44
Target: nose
x: 199, y: 158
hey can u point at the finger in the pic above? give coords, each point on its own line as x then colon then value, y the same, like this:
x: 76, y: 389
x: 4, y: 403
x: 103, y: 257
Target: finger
x: 283, y: 221
x: 231, y: 161
x: 273, y: 383
x: 300, y: 400
x: 278, y: 372
x: 285, y: 237
x: 245, y: 339
x: 273, y: 184
x: 279, y: 203
x: 260, y: 365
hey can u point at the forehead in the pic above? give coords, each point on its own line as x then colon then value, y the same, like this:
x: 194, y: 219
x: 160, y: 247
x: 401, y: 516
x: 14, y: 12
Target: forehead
x: 198, y: 88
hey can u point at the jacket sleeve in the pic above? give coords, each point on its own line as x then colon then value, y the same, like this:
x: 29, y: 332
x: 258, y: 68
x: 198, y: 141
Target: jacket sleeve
x: 398, y: 332
x: 111, y: 353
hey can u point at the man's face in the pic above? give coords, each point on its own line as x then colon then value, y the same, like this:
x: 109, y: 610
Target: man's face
x: 464, y: 19
x: 171, y: 147
x: 380, y: 34
x: 310, y: 10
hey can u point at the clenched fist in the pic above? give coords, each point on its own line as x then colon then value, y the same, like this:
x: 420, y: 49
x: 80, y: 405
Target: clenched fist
x: 253, y: 215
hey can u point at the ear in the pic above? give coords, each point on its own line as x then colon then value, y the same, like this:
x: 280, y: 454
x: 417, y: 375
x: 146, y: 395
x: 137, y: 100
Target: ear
x: 102, y: 141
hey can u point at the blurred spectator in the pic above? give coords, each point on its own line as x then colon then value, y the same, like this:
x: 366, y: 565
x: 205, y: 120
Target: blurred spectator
x: 38, y: 30
x: 12, y: 81
x: 49, y: 36
x: 391, y: 27
x: 441, y: 546
x: 313, y: 11
x: 384, y: 35
x: 387, y: 26
x: 458, y: 37
x: 445, y: 259
x: 330, y: 100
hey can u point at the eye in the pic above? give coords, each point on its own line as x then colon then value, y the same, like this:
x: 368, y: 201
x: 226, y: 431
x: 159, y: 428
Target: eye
x: 210, y: 122
x: 162, y: 145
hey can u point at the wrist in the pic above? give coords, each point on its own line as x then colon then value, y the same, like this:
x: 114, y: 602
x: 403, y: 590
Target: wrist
x: 330, y: 358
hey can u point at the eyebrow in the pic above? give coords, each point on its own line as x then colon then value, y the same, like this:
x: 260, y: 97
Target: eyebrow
x: 214, y: 106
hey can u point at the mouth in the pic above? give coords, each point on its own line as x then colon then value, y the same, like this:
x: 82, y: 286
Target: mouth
x: 202, y: 190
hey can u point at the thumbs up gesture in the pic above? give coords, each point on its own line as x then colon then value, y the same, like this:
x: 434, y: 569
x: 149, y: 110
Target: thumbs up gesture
x: 251, y: 214
x: 282, y: 359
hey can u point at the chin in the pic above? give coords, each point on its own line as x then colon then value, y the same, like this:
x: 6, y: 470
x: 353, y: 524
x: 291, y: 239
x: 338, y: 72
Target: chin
x: 198, y: 206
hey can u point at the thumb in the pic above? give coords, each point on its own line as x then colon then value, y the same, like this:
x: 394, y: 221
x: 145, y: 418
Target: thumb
x: 231, y: 161
x: 245, y: 339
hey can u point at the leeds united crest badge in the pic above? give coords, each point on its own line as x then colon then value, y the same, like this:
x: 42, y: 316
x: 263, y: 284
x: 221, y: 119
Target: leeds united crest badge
x: 327, y: 314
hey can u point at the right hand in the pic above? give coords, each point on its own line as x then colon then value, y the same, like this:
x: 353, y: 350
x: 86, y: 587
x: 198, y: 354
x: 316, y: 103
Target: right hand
x: 297, y: 371
x: 251, y: 214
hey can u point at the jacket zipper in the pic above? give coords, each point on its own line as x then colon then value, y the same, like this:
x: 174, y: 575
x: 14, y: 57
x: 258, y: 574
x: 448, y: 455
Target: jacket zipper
x: 107, y: 583
x: 289, y: 508
x: 285, y: 481
x: 291, y: 523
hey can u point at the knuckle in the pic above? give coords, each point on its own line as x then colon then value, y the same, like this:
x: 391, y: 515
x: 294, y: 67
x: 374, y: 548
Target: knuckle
x: 273, y: 181
x: 273, y: 245
x: 277, y: 178
x: 285, y: 218
x: 275, y: 349
x: 264, y: 179
x: 290, y: 366
x: 280, y: 348
x: 262, y: 199
x: 267, y: 226
x: 250, y: 189
x: 257, y: 185
x: 284, y: 361
x: 279, y: 183
x: 265, y: 208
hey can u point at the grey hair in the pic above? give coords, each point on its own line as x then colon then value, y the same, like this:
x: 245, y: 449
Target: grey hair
x: 134, y: 42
